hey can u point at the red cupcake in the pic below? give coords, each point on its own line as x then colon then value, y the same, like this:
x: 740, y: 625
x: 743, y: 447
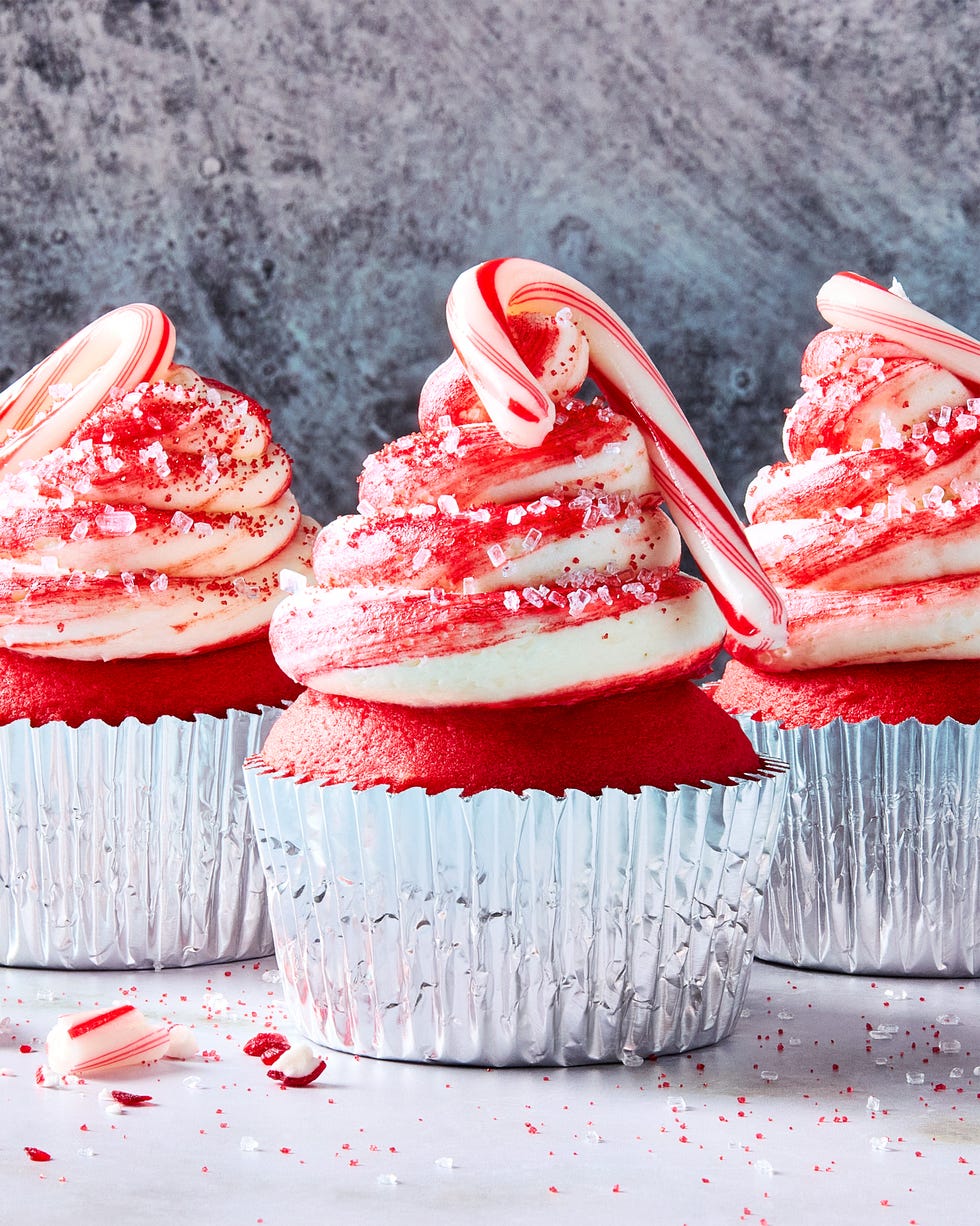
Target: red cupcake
x: 500, y: 749
x: 145, y: 514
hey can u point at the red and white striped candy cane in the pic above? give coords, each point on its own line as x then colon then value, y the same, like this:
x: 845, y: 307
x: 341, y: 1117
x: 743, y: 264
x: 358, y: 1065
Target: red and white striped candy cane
x: 861, y: 305
x: 130, y: 345
x: 477, y: 311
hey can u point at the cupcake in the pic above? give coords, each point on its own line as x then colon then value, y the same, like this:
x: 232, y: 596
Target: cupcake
x: 871, y: 533
x: 501, y: 825
x: 144, y: 516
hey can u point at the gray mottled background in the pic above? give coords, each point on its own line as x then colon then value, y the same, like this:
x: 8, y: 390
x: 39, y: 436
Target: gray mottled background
x: 297, y: 184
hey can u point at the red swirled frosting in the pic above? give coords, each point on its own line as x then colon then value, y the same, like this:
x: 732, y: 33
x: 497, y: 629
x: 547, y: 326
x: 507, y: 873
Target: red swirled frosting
x: 145, y: 512
x: 479, y: 573
x: 871, y: 528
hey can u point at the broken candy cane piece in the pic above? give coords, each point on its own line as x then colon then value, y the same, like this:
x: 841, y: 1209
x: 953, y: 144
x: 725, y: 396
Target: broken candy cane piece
x: 104, y: 1039
x: 126, y: 1099
x: 37, y: 1155
x: 268, y: 1046
x: 854, y: 302
x: 297, y: 1066
x: 479, y: 305
x: 128, y: 346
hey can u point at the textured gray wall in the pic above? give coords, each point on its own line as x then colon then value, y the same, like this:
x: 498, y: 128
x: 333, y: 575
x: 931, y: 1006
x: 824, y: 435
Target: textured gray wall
x: 297, y: 184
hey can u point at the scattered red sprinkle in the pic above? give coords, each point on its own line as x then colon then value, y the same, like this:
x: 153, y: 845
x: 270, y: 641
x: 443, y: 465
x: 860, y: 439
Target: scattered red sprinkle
x: 552, y: 1188
x: 25, y: 1049
x: 616, y: 1187
x: 125, y: 1099
x: 37, y: 1155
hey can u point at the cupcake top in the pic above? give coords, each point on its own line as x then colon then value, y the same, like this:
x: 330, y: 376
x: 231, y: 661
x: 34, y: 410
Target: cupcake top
x: 515, y: 549
x: 144, y: 510
x: 871, y: 529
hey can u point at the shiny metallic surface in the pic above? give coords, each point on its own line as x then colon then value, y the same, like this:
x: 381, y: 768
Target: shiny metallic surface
x: 129, y: 846
x: 877, y: 864
x: 504, y: 930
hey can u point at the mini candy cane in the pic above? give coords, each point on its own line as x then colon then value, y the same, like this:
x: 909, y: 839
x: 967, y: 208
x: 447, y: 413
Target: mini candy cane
x: 477, y: 313
x: 855, y: 302
x: 130, y: 345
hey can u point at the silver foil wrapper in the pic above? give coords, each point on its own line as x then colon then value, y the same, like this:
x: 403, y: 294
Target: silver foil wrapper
x: 501, y: 930
x: 129, y: 846
x: 877, y: 864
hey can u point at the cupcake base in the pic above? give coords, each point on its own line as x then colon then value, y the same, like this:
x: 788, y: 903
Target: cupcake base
x: 505, y: 929
x: 129, y: 846
x: 877, y: 861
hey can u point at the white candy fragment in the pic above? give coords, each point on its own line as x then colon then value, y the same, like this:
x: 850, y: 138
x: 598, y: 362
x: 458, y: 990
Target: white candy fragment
x: 181, y: 1044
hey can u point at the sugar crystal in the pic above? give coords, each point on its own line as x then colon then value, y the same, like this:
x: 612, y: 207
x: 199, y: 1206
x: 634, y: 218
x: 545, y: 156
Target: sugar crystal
x: 532, y: 540
x: 160, y: 583
x: 248, y: 1145
x: 447, y: 504
x: 387, y: 1180
x: 291, y: 581
x: 182, y: 522
x: 915, y: 1079
x: 496, y: 555
x: 879, y: 1143
x: 116, y: 523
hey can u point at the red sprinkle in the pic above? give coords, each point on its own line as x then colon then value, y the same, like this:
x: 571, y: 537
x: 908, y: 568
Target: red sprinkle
x: 37, y: 1155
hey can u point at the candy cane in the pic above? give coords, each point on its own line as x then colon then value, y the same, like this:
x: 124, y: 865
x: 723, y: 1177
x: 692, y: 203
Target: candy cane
x: 855, y: 302
x: 477, y: 313
x: 130, y: 345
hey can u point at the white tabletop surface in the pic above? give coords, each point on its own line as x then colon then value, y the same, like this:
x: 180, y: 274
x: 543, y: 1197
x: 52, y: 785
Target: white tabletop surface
x: 836, y: 1100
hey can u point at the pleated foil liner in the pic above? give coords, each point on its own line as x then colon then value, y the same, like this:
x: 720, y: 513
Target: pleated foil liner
x: 502, y: 930
x: 129, y: 846
x: 877, y: 863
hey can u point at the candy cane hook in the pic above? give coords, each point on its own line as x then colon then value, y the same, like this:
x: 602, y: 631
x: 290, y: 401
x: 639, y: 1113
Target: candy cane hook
x: 520, y: 408
x: 855, y: 302
x: 130, y: 345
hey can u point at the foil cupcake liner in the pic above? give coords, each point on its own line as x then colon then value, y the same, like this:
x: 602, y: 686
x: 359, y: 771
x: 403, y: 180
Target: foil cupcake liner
x: 503, y: 929
x: 877, y: 862
x: 129, y: 846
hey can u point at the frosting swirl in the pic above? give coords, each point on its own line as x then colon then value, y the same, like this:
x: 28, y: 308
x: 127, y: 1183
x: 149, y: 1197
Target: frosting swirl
x: 144, y: 510
x: 871, y: 530
x: 478, y: 571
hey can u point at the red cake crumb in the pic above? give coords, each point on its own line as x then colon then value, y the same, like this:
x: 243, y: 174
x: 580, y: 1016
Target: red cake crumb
x: 660, y: 737
x: 928, y: 690
x: 43, y: 688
